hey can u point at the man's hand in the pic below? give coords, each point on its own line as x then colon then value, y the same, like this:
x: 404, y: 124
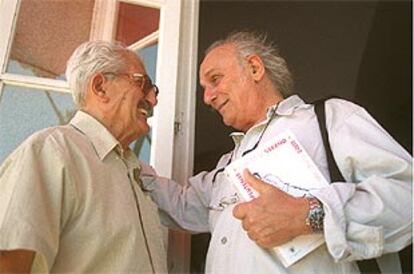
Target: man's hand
x: 274, y: 217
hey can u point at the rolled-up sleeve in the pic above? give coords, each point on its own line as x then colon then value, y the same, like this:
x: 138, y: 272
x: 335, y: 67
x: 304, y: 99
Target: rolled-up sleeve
x: 371, y: 213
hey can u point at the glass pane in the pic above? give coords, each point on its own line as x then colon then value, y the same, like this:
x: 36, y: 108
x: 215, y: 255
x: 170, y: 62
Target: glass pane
x: 24, y: 111
x: 47, y: 32
x: 149, y: 57
x: 136, y: 22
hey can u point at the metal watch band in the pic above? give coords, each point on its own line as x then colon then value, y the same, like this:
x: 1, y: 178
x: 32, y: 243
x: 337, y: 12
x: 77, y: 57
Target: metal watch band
x: 316, y: 215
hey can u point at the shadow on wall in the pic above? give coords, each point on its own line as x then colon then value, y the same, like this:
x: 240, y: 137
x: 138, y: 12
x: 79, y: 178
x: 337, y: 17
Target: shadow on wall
x: 384, y: 83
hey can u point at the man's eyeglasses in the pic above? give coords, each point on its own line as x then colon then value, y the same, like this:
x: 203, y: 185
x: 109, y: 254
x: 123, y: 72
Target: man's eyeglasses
x: 142, y: 80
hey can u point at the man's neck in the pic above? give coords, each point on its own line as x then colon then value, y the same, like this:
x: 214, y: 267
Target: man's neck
x: 109, y: 125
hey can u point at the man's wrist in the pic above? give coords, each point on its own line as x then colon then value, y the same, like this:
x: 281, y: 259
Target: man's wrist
x: 316, y: 215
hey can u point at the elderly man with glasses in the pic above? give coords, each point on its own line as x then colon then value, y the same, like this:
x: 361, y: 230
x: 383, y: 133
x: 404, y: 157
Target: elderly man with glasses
x: 70, y: 196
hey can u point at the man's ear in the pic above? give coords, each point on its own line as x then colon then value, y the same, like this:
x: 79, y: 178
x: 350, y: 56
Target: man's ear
x: 256, y: 67
x: 97, y: 84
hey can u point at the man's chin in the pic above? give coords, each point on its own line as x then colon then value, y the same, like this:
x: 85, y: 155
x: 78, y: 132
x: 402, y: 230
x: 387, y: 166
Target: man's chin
x: 142, y: 129
x: 234, y: 125
x: 229, y: 123
x: 145, y: 129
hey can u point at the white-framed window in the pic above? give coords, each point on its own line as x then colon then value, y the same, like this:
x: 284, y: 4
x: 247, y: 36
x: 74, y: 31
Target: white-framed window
x: 37, y: 37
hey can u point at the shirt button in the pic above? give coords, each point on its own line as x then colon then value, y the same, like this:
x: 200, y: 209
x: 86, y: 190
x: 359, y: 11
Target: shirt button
x: 224, y: 240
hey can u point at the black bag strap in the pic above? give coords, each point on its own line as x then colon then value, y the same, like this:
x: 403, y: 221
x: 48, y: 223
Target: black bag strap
x: 365, y: 266
x: 336, y: 175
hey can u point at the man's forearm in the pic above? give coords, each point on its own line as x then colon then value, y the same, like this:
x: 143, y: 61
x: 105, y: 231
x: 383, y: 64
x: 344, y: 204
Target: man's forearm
x: 16, y: 261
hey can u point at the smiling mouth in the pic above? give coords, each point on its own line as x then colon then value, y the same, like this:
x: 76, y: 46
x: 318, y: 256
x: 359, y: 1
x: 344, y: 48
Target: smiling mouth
x: 143, y: 111
x: 144, y: 108
x: 221, y: 106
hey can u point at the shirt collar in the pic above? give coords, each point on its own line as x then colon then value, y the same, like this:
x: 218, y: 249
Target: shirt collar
x: 102, y: 140
x: 285, y: 107
x: 288, y: 105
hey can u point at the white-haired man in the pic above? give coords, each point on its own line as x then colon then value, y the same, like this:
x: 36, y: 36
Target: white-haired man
x: 70, y: 199
x: 247, y: 82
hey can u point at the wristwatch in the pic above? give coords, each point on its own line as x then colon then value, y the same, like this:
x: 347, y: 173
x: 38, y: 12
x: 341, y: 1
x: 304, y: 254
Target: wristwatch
x: 315, y: 216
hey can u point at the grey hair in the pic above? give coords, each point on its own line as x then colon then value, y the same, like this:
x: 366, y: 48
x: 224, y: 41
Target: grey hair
x: 90, y: 58
x: 248, y: 43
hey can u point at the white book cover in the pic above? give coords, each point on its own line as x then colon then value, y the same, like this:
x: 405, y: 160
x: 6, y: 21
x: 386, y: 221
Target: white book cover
x: 285, y: 164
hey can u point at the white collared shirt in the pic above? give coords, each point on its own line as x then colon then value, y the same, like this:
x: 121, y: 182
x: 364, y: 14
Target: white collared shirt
x: 367, y: 216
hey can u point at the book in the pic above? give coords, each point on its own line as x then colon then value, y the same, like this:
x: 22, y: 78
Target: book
x: 283, y: 163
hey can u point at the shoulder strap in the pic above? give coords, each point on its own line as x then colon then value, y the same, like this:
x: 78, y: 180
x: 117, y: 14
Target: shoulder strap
x: 365, y: 266
x: 333, y: 167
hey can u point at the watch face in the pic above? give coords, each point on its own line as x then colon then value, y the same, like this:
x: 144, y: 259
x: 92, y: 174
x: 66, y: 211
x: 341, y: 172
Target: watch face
x: 316, y: 215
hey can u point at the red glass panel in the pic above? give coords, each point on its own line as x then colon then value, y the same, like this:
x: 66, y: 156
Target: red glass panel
x: 136, y: 22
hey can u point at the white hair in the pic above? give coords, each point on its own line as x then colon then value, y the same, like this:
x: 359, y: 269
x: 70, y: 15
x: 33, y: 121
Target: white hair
x: 90, y: 58
x: 248, y: 43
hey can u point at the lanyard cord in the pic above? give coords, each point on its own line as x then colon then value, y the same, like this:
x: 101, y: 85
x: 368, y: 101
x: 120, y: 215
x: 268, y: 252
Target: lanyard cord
x: 272, y: 116
x: 263, y: 132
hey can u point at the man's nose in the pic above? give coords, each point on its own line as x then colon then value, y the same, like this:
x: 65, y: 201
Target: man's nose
x: 151, y: 97
x: 209, y: 95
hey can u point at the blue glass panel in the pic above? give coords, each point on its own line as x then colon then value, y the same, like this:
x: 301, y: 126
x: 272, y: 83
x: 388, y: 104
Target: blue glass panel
x: 149, y: 56
x: 24, y: 111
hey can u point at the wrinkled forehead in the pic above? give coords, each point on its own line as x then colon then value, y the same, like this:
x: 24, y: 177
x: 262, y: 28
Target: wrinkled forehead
x: 220, y: 57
